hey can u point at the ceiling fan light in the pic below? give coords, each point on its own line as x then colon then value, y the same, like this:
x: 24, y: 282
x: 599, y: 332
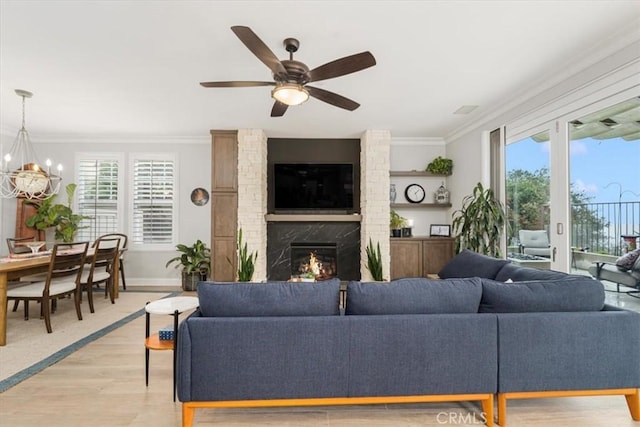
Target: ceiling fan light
x: 290, y: 94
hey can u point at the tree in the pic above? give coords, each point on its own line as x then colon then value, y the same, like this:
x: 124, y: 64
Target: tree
x: 528, y: 207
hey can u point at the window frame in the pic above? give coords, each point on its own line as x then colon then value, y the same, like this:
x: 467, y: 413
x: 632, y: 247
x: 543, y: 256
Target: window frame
x: 142, y: 156
x: 119, y: 158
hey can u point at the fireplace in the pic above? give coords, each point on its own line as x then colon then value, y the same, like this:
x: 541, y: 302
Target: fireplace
x: 314, y: 260
x: 337, y: 244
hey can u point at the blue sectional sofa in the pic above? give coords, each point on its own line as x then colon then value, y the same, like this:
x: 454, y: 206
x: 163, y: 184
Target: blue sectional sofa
x: 467, y: 337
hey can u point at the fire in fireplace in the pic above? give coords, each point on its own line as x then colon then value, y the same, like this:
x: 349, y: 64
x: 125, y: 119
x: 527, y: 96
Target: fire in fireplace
x: 317, y: 260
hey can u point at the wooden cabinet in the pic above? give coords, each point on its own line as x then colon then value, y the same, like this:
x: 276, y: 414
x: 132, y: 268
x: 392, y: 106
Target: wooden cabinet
x: 224, y: 204
x: 419, y: 256
x: 406, y: 258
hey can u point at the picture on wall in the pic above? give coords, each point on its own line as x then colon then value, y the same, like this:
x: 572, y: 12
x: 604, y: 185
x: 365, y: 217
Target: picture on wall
x: 440, y: 230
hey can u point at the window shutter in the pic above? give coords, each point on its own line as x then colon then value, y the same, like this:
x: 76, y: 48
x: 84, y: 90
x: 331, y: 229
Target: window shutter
x: 153, y: 201
x: 97, y: 197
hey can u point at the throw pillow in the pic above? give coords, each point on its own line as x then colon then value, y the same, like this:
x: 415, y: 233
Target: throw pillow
x: 472, y: 264
x: 574, y: 293
x: 626, y: 261
x: 414, y: 296
x: 269, y: 299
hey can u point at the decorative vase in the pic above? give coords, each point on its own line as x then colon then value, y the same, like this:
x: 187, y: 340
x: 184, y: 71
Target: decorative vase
x: 392, y: 193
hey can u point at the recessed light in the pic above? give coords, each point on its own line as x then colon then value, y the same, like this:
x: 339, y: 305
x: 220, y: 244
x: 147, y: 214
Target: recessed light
x: 465, y: 109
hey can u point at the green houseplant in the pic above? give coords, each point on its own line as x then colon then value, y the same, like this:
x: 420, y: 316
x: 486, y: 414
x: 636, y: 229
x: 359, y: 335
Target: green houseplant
x: 195, y: 261
x: 59, y: 216
x: 246, y: 261
x: 396, y: 223
x: 374, y: 261
x: 440, y: 166
x: 478, y: 225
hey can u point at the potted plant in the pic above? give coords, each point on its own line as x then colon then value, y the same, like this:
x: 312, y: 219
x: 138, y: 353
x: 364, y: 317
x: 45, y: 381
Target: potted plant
x: 396, y: 223
x: 59, y: 216
x: 440, y: 166
x: 478, y: 225
x: 195, y: 262
x: 246, y: 261
x: 374, y: 261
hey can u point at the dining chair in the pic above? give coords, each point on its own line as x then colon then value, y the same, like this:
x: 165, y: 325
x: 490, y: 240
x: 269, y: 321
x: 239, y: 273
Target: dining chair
x: 63, y: 279
x: 122, y: 250
x: 13, y: 243
x: 105, y: 253
x: 15, y: 247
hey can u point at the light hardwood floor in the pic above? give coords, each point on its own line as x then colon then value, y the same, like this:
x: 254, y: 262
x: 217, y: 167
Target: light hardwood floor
x: 102, y: 384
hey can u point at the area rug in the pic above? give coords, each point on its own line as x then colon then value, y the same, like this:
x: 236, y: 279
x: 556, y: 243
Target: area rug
x: 30, y: 348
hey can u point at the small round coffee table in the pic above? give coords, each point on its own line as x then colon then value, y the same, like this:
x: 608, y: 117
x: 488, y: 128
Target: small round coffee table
x: 173, y: 306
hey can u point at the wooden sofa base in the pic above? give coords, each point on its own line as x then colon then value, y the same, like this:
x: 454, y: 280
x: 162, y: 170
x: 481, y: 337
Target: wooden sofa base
x: 188, y: 408
x: 632, y: 396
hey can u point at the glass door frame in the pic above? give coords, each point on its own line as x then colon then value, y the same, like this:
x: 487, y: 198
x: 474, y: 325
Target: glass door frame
x: 558, y: 209
x: 559, y: 163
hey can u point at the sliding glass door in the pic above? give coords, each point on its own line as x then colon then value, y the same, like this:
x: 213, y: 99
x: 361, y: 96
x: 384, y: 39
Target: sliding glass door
x: 528, y: 197
x: 576, y: 180
x: 605, y: 181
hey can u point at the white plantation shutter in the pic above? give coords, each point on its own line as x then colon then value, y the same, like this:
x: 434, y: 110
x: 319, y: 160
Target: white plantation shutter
x: 97, y: 196
x: 153, y: 201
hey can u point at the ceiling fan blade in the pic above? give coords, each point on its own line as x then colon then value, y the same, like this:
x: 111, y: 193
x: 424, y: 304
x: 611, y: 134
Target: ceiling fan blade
x: 342, y: 66
x: 332, y: 98
x: 236, y: 84
x: 259, y: 49
x: 278, y: 109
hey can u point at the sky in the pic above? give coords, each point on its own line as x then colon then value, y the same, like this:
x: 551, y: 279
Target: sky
x: 603, y: 169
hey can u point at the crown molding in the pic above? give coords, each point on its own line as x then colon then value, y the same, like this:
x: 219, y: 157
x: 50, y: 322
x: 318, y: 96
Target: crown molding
x: 119, y: 139
x: 623, y: 39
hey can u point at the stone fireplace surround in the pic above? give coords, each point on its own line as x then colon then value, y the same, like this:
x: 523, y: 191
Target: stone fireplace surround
x: 345, y: 235
x: 351, y: 232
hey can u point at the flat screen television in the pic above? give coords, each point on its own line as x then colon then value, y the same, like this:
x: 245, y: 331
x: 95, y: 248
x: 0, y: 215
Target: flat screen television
x: 313, y: 186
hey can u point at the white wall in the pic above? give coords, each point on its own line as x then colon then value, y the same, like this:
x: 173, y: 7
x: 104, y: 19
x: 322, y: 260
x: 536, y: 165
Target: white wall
x: 194, y: 169
x: 408, y: 154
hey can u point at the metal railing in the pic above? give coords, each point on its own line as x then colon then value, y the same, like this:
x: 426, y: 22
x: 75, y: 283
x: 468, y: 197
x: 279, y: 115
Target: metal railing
x: 599, y: 226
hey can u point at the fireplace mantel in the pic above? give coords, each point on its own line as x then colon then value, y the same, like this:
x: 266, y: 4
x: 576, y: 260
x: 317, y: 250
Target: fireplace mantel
x: 313, y: 217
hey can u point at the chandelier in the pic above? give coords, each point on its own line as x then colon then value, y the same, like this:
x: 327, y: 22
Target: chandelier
x: 21, y: 172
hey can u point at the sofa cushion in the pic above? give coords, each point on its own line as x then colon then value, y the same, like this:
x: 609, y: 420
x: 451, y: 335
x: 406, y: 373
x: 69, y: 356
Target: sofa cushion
x: 472, y: 264
x: 626, y: 261
x: 518, y: 273
x: 218, y: 299
x: 573, y: 293
x: 414, y: 296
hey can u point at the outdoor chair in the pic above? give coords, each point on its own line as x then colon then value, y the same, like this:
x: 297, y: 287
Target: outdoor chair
x: 63, y: 279
x: 535, y: 242
x: 620, y: 276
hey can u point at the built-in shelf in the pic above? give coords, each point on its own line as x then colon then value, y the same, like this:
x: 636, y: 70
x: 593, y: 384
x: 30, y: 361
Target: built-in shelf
x: 419, y: 205
x: 313, y: 218
x: 415, y: 173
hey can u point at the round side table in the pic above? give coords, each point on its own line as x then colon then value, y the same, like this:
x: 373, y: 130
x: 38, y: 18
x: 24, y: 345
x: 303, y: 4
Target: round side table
x: 173, y: 306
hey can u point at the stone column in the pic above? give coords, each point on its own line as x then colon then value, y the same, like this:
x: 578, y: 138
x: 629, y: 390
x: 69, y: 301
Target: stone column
x: 374, y: 197
x: 252, y: 195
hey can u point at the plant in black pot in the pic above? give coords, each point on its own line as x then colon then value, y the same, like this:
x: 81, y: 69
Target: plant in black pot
x: 195, y: 261
x: 396, y: 223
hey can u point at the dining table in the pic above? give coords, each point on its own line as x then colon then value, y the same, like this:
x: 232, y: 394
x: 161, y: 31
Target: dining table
x: 13, y: 268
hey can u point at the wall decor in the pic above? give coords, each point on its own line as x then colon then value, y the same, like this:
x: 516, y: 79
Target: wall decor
x: 414, y: 193
x: 440, y: 230
x: 199, y: 196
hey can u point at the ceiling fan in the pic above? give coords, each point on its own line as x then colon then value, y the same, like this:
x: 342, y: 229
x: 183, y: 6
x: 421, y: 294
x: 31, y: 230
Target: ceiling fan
x: 291, y: 76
